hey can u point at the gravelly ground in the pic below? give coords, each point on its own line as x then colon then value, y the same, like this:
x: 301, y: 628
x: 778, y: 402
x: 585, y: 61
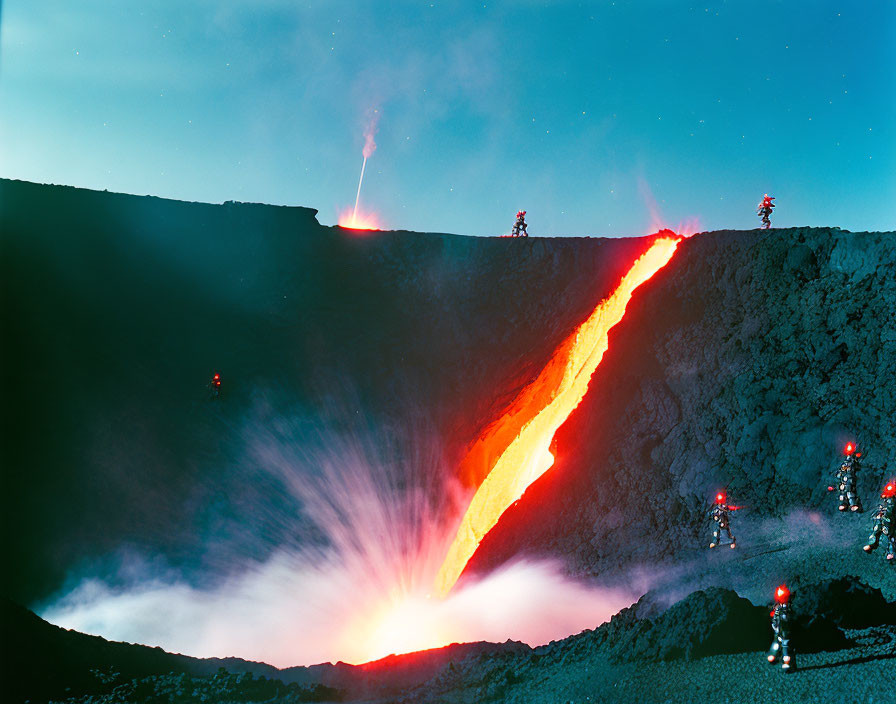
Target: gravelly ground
x: 865, y: 673
x: 802, y: 547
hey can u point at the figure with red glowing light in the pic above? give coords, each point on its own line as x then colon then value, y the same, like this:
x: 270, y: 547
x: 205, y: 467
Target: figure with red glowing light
x: 214, y: 386
x: 846, y: 480
x: 883, y: 523
x: 720, y: 514
x: 519, y: 227
x: 781, y: 628
x: 765, y: 210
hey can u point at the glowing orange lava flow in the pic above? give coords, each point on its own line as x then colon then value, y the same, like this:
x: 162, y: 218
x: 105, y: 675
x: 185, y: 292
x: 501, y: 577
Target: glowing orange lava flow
x: 527, y: 455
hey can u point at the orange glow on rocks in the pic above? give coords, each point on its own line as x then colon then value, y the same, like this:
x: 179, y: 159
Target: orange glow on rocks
x: 515, y: 450
x: 351, y: 220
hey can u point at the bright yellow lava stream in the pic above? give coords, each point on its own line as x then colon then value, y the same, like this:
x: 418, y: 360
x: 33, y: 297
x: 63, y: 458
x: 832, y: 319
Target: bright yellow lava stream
x: 528, y: 457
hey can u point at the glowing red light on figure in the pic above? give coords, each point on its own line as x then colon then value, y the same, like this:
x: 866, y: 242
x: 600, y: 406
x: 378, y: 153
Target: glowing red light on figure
x: 782, y: 594
x: 849, y: 448
x: 720, y: 498
x: 889, y: 491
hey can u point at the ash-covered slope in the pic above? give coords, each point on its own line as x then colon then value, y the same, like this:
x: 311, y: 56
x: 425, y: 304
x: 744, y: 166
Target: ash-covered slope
x: 117, y: 309
x: 747, y: 363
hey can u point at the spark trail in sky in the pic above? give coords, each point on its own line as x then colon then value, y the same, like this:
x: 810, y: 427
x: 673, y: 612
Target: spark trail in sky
x: 358, y: 197
x: 365, y: 221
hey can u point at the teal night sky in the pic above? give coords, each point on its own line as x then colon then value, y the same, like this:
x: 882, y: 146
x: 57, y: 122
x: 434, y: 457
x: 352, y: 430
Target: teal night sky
x: 588, y: 115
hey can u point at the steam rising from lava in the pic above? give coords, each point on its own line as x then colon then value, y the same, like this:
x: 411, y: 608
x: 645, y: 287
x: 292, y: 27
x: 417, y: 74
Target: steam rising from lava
x: 287, y: 612
x: 687, y: 227
x: 363, y: 592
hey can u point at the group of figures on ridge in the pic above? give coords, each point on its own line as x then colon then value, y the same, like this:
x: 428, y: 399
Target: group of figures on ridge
x: 764, y: 211
x: 883, y: 531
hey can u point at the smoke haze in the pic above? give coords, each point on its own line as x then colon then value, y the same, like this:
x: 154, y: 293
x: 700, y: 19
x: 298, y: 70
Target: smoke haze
x: 288, y: 612
x: 371, y: 528
x: 369, y: 132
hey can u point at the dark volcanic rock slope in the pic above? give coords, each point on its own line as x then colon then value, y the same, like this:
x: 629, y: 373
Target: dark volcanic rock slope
x: 116, y: 310
x: 747, y: 363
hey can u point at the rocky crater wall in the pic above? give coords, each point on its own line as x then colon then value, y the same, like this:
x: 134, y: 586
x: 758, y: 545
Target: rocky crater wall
x: 117, y: 309
x: 747, y: 363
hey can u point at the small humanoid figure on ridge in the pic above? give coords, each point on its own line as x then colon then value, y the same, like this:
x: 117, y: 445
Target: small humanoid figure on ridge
x: 765, y: 210
x: 519, y: 227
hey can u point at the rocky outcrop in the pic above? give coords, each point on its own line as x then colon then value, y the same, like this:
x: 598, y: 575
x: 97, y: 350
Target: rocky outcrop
x: 747, y: 363
x: 709, y: 622
x: 846, y: 602
x: 716, y: 621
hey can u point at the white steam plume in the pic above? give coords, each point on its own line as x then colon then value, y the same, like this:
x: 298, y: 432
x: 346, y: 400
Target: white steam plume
x: 364, y: 593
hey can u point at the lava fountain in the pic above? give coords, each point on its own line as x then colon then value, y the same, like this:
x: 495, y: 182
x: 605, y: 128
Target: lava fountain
x: 560, y: 387
x: 349, y: 218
